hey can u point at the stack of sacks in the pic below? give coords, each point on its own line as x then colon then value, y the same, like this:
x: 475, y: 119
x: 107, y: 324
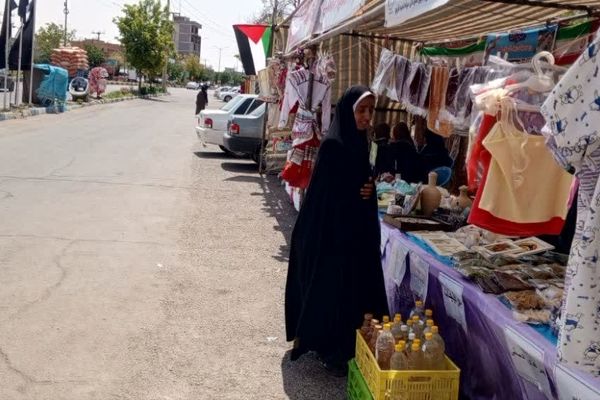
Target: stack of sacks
x: 70, y: 58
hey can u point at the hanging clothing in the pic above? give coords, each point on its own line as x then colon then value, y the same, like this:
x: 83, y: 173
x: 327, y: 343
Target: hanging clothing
x: 416, y: 89
x: 395, y: 90
x: 296, y: 91
x: 384, y: 73
x: 335, y: 273
x: 437, y: 100
x: 573, y: 114
x: 524, y: 184
x: 97, y: 80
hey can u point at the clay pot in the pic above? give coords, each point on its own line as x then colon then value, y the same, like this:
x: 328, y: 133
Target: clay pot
x: 464, y: 201
x: 431, y: 197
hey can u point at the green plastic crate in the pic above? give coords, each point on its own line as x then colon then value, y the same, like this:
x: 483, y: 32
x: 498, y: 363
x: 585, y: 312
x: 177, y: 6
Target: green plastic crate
x: 357, y: 387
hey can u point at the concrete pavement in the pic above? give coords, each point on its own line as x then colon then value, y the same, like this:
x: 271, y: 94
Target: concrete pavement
x: 135, y: 264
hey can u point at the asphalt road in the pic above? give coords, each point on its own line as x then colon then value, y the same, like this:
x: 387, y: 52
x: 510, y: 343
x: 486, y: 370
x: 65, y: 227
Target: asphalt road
x: 135, y: 264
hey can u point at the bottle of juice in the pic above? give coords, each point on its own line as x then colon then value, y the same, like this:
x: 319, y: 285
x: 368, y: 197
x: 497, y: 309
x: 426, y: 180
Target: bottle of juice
x: 384, y: 348
x: 418, y: 310
x: 428, y: 326
x: 386, y: 319
x: 399, y: 360
x: 366, y: 326
x: 428, y: 314
x: 369, y: 336
x: 437, y: 337
x: 415, y: 358
x: 397, y: 328
x: 404, y: 332
x: 398, y: 316
x: 417, y: 327
x: 411, y: 339
x: 433, y: 356
x: 376, y: 331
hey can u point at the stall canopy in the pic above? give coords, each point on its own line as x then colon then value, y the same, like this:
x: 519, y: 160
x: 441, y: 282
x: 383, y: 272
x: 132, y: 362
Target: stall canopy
x: 440, y: 20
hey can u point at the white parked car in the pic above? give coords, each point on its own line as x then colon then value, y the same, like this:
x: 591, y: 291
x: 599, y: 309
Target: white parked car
x: 230, y: 94
x: 192, y: 85
x: 212, y: 124
x: 221, y: 89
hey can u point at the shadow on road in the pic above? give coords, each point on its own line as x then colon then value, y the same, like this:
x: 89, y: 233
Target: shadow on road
x: 239, y: 167
x: 155, y: 99
x: 213, y: 155
x: 245, y: 179
x: 306, y: 379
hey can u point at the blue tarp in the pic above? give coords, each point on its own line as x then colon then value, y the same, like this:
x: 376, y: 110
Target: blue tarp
x: 54, y: 85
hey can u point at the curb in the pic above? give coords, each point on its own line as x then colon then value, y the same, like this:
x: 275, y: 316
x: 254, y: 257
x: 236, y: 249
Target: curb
x: 31, y: 112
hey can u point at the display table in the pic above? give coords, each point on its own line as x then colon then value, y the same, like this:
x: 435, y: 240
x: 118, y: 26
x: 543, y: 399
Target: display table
x: 499, y: 357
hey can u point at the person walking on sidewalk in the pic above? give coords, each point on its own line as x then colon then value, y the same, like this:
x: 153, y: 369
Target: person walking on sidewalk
x: 201, y: 99
x: 335, y: 275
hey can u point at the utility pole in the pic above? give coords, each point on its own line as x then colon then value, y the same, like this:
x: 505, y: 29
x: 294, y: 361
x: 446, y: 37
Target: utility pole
x: 66, y: 11
x: 164, y: 75
x: 219, y: 68
x: 98, y: 33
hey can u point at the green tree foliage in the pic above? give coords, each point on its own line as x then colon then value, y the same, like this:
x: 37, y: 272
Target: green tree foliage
x: 284, y: 8
x: 95, y: 55
x: 193, y: 67
x: 147, y: 36
x: 176, y: 71
x: 48, y: 38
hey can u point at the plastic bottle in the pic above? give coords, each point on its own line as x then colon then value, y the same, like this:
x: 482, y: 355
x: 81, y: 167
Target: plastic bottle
x: 398, y: 315
x: 371, y: 330
x: 418, y: 310
x: 411, y: 339
x: 399, y: 360
x: 428, y: 326
x: 376, y: 331
x: 428, y: 314
x: 433, y: 356
x: 415, y: 358
x: 386, y: 319
x: 437, y: 337
x: 409, y: 324
x: 417, y: 328
x: 384, y: 348
x: 404, y: 332
x: 397, y: 328
x: 366, y: 326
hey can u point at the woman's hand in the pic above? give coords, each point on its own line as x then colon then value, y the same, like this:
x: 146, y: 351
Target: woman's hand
x: 367, y: 190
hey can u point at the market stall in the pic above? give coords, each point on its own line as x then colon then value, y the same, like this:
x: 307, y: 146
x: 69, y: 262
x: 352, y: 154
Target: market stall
x: 519, y: 319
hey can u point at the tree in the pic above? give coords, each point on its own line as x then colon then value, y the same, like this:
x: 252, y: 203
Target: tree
x: 284, y: 8
x: 95, y: 55
x: 147, y: 36
x: 193, y: 67
x: 48, y: 38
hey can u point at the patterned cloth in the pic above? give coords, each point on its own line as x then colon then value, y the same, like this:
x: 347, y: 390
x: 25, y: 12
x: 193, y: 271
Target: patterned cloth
x: 572, y: 112
x: 97, y: 80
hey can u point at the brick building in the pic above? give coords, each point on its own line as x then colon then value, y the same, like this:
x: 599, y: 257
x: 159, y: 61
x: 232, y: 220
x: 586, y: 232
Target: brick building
x: 187, y: 36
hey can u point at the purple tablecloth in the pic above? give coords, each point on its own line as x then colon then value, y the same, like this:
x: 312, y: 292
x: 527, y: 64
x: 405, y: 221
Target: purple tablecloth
x: 482, y: 351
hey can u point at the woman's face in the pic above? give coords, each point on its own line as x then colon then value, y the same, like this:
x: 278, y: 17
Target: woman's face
x: 364, y: 113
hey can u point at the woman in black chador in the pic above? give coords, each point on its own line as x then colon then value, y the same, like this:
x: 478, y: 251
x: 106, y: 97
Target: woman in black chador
x: 335, y: 274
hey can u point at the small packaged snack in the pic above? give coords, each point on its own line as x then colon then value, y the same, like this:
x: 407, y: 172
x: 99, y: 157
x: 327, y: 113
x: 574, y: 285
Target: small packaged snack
x: 525, y: 300
x: 557, y: 269
x: 534, y: 317
x: 539, y: 284
x: 540, y: 272
x: 510, y: 282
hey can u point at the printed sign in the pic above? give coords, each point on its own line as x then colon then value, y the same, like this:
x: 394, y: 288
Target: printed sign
x: 303, y: 23
x: 419, y: 277
x: 397, y: 265
x: 333, y: 12
x: 453, y: 299
x: 521, y: 45
x: 570, y: 386
x: 528, y: 360
x: 399, y: 11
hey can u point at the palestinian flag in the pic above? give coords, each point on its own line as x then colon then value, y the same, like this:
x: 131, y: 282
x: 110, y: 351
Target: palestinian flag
x: 254, y: 43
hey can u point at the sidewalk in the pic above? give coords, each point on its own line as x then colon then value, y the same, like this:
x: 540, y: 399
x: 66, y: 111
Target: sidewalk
x: 33, y: 111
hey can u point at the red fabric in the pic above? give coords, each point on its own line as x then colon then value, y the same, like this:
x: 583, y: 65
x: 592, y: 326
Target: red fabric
x: 254, y: 32
x: 299, y: 175
x: 484, y: 219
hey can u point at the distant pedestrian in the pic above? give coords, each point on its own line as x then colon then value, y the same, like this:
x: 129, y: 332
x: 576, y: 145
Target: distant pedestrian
x: 202, y: 99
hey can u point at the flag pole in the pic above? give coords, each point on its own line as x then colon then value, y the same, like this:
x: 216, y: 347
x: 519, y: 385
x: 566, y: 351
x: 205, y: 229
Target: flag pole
x: 19, y: 63
x: 6, y: 49
x: 33, y: 12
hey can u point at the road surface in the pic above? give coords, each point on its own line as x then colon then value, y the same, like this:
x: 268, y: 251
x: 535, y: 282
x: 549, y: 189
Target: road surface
x: 135, y: 264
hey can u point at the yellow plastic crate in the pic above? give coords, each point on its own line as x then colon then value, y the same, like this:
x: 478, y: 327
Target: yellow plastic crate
x: 406, y: 385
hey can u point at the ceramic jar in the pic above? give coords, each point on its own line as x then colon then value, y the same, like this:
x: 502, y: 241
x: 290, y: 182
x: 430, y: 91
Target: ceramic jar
x: 431, y: 197
x: 464, y: 201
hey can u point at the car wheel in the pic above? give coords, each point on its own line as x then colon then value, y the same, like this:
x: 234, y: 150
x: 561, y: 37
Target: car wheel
x: 226, y: 99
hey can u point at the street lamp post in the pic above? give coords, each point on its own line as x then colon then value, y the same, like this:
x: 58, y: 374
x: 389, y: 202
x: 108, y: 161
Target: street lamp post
x: 219, y: 68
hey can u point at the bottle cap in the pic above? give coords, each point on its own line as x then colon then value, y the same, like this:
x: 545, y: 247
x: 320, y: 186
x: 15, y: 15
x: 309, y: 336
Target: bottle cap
x: 419, y: 303
x: 400, y: 346
x: 429, y: 322
x: 411, y: 336
x: 435, y: 329
x: 397, y: 315
x: 415, y: 347
x: 428, y: 336
x: 417, y: 341
x: 409, y: 322
x: 397, y: 318
x: 404, y: 328
x: 387, y: 327
x: 429, y: 312
x: 415, y: 318
x: 402, y: 342
x: 386, y: 319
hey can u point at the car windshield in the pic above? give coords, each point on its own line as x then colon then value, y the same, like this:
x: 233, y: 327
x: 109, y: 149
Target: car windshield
x: 232, y: 103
